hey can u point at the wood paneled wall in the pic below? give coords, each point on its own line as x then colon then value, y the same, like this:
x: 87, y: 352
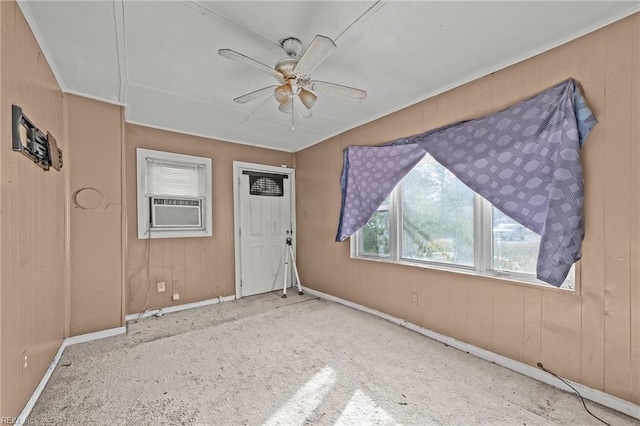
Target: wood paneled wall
x: 592, y: 335
x: 202, y: 268
x: 96, y: 278
x: 32, y: 220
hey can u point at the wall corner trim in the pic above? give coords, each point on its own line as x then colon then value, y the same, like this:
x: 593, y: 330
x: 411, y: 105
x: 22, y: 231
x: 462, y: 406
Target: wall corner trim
x: 32, y: 21
x: 22, y: 417
x: 594, y: 395
x: 69, y: 341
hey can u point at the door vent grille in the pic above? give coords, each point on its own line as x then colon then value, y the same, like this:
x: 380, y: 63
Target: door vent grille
x: 270, y: 186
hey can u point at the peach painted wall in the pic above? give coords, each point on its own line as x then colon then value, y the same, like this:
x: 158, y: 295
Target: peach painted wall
x: 186, y: 260
x: 96, y: 251
x: 32, y: 219
x: 592, y: 335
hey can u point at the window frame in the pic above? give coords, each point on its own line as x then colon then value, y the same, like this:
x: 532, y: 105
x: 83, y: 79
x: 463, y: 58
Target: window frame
x: 359, y: 248
x: 483, y: 246
x: 143, y: 207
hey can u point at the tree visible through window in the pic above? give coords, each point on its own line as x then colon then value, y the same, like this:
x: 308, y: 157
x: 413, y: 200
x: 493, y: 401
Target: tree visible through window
x: 437, y: 215
x: 439, y: 220
x: 375, y: 234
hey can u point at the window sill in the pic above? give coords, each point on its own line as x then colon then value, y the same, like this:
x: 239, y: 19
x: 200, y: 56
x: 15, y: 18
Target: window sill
x: 185, y: 233
x: 512, y: 279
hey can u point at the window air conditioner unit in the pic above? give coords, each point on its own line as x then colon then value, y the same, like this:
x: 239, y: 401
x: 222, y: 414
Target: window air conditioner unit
x: 176, y: 213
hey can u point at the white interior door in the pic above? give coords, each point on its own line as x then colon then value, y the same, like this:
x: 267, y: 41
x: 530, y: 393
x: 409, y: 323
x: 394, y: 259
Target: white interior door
x: 265, y: 224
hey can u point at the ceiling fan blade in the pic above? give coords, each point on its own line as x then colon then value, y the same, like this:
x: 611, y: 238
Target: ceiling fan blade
x: 255, y: 95
x: 352, y: 93
x: 319, y: 49
x: 301, y: 110
x: 239, y: 57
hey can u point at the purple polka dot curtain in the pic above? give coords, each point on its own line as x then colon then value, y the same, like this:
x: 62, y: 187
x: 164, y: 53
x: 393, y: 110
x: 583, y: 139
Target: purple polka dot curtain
x: 525, y: 160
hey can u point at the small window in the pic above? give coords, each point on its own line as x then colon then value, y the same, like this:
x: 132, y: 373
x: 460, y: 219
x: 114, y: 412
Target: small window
x: 174, y: 195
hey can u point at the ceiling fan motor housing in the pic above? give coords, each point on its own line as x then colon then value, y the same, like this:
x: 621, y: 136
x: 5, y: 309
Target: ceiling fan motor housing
x: 286, y: 67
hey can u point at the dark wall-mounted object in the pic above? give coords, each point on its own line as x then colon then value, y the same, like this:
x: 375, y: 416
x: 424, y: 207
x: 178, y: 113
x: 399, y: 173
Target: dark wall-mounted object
x: 30, y: 141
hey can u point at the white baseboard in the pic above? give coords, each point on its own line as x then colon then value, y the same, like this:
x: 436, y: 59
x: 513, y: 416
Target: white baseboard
x: 602, y: 398
x: 591, y: 394
x: 94, y: 336
x: 178, y: 308
x: 22, y: 417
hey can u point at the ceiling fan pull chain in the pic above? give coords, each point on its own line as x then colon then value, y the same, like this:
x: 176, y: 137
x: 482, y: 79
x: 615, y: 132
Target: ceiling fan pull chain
x: 292, y: 112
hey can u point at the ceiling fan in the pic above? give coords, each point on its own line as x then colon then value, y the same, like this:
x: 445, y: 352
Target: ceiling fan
x: 293, y: 74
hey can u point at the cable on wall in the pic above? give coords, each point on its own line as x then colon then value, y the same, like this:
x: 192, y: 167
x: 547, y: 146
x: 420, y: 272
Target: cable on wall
x: 144, y: 309
x: 206, y: 264
x: 574, y: 389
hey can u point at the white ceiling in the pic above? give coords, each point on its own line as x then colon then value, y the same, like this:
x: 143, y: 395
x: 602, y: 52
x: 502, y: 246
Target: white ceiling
x: 159, y: 58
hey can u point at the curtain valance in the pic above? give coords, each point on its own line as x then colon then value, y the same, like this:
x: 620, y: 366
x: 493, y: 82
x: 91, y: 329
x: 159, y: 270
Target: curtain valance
x: 525, y: 160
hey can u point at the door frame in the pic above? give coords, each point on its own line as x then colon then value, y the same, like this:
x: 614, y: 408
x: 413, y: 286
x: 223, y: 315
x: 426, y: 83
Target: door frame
x: 238, y: 168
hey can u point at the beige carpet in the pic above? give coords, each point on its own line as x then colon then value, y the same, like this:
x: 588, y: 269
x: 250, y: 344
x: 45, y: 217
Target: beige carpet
x: 299, y: 360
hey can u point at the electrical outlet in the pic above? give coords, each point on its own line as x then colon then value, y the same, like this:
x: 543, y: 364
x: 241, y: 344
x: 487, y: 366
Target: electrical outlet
x: 175, y: 296
x: 161, y: 287
x: 25, y: 360
x: 175, y: 284
x: 414, y: 298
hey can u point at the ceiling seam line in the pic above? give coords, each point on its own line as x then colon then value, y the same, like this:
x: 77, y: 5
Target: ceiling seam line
x: 366, y: 12
x: 164, y: 92
x: 121, y: 45
x: 219, y: 106
x: 272, y: 120
x: 202, y: 135
x: 210, y: 12
x: 247, y: 117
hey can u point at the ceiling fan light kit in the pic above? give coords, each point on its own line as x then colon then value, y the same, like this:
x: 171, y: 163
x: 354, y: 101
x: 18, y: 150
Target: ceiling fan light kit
x: 286, y: 107
x: 307, y: 98
x: 293, y: 74
x: 283, y: 93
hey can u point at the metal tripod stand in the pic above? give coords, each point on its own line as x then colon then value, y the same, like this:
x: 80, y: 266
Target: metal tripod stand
x: 289, y: 255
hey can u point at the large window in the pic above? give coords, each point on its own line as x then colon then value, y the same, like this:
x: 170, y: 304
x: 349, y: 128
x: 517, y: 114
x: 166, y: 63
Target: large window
x: 433, y: 219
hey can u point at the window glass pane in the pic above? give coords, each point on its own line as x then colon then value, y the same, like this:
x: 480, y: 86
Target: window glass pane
x: 570, y: 281
x: 374, y: 236
x: 386, y: 203
x: 437, y: 215
x: 515, y: 248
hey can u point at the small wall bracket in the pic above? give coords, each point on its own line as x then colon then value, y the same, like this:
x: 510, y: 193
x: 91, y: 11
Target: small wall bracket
x: 29, y: 140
